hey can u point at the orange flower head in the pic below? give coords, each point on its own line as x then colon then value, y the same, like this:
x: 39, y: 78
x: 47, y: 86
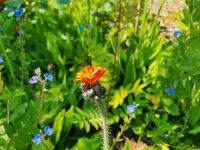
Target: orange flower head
x: 3, y: 1
x: 90, y: 74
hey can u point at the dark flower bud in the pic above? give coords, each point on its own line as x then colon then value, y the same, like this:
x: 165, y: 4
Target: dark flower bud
x: 1, y: 7
x: 103, y: 90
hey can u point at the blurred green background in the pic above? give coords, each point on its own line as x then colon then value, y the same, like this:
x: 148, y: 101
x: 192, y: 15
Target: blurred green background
x: 150, y: 60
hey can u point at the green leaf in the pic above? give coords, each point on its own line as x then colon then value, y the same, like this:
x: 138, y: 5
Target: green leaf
x: 194, y: 114
x: 86, y: 144
x: 38, y: 147
x: 14, y: 3
x: 19, y: 111
x: 130, y: 74
x: 195, y: 130
x: 119, y: 96
x: 172, y: 109
x: 127, y: 145
x: 58, y: 124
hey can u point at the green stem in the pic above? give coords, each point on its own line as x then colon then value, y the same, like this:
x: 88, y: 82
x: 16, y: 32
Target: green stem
x: 137, y: 16
x: 89, y: 6
x: 3, y: 92
x: 8, y: 62
x: 123, y: 128
x: 43, y: 84
x: 104, y: 124
x: 115, y: 52
x: 139, y: 139
x: 8, y: 111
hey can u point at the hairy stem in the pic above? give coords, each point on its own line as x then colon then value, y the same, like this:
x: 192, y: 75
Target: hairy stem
x: 104, y: 124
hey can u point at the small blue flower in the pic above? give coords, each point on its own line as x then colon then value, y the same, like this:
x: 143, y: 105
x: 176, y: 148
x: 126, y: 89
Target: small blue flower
x: 1, y: 59
x: 171, y: 90
x: 89, y: 27
x: 131, y: 109
x: 34, y: 79
x: 20, y: 32
x: 178, y: 33
x: 81, y: 28
x: 48, y: 76
x: 19, y: 12
x: 37, y: 139
x: 48, y: 130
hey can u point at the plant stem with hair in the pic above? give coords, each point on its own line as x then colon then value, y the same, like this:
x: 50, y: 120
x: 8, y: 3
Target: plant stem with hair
x: 104, y: 124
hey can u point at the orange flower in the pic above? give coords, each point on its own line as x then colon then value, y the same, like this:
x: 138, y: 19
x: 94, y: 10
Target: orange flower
x: 90, y: 74
x: 3, y: 1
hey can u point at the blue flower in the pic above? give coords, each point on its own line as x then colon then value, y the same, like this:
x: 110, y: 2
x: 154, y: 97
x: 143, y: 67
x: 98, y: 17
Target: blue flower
x: 48, y: 76
x: 176, y: 33
x: 37, y: 139
x: 19, y: 12
x: 171, y: 90
x: 48, y: 130
x: 34, y: 79
x: 89, y: 27
x: 81, y: 28
x: 20, y: 32
x: 131, y: 109
x: 1, y: 59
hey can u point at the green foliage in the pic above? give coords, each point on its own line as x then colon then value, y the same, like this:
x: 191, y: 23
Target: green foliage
x: 146, y: 63
x: 85, y: 143
x: 83, y: 118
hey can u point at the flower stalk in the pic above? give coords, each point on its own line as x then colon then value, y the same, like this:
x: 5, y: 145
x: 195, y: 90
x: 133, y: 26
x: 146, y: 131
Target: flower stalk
x: 122, y: 130
x: 92, y: 89
x: 104, y: 126
x: 43, y: 86
x: 8, y: 111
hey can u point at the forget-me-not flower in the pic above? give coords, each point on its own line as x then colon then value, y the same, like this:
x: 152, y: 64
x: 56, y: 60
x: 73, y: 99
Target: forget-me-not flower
x: 171, y: 90
x: 176, y: 33
x: 48, y: 130
x: 34, y: 79
x: 48, y: 77
x: 81, y: 28
x: 37, y: 139
x: 19, y: 12
x: 131, y: 109
x: 1, y: 59
x: 89, y: 27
